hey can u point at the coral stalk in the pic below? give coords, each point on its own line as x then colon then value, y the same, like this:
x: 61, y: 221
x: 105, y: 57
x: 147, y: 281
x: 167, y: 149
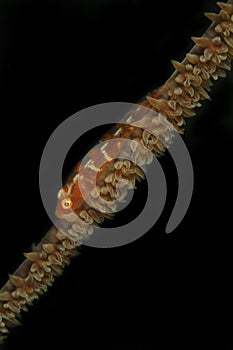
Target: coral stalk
x: 176, y: 100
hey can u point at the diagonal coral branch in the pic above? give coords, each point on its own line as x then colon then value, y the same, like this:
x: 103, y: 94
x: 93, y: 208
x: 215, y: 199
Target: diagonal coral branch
x: 192, y: 78
x: 33, y: 276
x: 176, y: 99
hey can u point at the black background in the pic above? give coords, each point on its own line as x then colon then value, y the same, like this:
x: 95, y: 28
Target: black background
x: 161, y: 291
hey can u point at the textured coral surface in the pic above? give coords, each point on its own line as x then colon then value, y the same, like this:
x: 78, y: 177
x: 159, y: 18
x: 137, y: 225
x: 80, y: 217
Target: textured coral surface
x: 176, y: 99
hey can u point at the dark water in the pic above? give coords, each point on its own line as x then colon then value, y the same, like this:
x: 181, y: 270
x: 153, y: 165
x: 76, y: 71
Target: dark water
x: 58, y: 57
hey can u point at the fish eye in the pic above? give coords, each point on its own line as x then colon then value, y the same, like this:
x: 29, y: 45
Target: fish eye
x: 66, y: 203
